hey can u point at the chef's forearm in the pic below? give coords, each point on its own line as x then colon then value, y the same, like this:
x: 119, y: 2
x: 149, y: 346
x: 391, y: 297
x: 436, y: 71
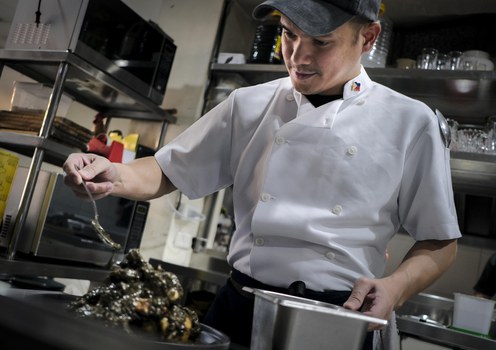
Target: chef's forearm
x: 425, y: 262
x: 141, y: 179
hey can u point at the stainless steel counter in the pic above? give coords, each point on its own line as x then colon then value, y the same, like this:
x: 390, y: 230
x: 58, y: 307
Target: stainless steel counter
x: 429, y: 317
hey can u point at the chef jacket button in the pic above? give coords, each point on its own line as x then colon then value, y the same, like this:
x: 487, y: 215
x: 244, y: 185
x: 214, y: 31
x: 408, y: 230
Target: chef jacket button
x: 265, y: 197
x: 290, y: 97
x: 327, y: 121
x: 360, y: 102
x: 337, y: 210
x: 280, y: 140
x: 352, y: 150
x: 330, y: 255
x: 259, y: 241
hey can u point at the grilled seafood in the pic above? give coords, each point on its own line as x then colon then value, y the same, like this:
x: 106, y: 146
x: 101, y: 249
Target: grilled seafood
x: 137, y: 297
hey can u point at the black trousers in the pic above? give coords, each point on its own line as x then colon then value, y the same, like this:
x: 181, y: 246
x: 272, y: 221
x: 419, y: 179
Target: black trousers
x: 231, y: 311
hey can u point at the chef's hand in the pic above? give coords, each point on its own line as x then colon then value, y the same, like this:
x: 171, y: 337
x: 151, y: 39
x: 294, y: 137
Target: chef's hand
x: 97, y: 171
x: 373, y: 297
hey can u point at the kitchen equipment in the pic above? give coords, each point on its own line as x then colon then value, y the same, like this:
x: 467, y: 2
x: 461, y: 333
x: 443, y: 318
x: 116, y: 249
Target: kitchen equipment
x: 445, y: 128
x: 289, y: 322
x: 104, y: 236
x: 107, y: 34
x: 411, y: 322
x: 58, y: 224
x: 472, y: 314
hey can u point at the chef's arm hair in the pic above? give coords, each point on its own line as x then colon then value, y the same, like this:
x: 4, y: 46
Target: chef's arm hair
x: 424, y: 263
x: 141, y: 179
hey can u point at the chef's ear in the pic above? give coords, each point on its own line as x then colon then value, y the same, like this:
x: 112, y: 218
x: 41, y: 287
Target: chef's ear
x: 369, y: 34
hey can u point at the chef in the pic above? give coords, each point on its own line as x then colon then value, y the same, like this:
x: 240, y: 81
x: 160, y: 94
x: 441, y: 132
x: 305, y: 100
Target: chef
x: 326, y: 166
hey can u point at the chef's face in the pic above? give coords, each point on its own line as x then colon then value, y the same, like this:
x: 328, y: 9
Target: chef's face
x: 323, y: 64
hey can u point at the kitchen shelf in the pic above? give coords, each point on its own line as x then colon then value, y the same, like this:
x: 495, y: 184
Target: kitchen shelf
x: 461, y: 95
x: 56, y: 153
x: 105, y: 90
x: 85, y: 83
x: 280, y: 69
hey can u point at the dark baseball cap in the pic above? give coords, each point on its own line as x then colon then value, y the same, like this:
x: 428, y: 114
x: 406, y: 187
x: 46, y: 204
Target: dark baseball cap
x: 320, y: 17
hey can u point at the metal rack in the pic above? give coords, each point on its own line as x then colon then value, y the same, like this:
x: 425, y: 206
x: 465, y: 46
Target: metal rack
x: 97, y: 89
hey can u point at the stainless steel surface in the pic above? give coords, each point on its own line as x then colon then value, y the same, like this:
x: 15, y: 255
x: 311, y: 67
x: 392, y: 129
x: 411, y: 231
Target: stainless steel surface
x: 24, y: 144
x: 85, y: 83
x: 32, y: 268
x: 287, y: 322
x: 102, y: 33
x: 104, y: 236
x: 210, y: 260
x: 429, y: 317
x: 474, y: 173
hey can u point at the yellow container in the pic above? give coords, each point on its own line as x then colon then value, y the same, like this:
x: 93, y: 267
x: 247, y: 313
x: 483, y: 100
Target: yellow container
x: 8, y: 166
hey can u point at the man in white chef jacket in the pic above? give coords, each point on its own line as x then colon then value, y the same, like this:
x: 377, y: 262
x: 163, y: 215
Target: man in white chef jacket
x: 326, y: 166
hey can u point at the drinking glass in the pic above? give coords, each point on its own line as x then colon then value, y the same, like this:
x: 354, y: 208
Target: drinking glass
x: 442, y: 62
x: 427, y: 59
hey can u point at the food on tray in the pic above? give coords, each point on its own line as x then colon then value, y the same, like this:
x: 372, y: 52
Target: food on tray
x: 138, y: 297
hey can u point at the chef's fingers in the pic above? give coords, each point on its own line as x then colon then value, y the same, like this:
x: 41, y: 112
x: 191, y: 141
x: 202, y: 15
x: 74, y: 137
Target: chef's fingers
x: 73, y: 164
x: 359, y: 293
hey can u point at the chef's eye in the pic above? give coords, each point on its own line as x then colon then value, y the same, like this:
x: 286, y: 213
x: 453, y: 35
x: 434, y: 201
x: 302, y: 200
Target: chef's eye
x: 320, y: 42
x: 289, y: 34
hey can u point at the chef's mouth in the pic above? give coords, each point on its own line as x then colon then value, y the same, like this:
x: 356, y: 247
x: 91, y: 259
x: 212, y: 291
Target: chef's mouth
x: 303, y: 75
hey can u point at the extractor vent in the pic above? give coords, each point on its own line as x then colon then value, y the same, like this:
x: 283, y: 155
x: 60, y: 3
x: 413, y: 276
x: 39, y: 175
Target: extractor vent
x: 30, y: 34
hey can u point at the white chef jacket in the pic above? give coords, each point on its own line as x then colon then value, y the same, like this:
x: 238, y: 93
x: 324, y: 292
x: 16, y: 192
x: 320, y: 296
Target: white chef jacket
x: 318, y: 192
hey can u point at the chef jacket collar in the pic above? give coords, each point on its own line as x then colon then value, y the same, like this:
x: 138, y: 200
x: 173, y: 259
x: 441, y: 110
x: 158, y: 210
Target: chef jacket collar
x: 352, y: 88
x: 357, y: 85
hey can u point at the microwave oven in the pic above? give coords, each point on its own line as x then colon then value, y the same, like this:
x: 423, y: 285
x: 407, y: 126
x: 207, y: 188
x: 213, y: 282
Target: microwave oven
x: 107, y: 34
x: 58, y: 224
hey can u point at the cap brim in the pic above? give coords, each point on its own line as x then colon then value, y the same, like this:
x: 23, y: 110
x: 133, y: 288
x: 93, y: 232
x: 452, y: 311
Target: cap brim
x: 315, y: 18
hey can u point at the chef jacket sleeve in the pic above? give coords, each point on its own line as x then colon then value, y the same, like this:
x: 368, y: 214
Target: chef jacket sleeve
x: 426, y: 204
x: 197, y: 160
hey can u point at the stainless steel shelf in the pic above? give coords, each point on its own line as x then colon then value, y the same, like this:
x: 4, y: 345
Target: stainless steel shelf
x: 85, y: 83
x: 383, y: 73
x: 24, y: 144
x: 467, y: 96
x: 100, y: 89
x: 474, y: 172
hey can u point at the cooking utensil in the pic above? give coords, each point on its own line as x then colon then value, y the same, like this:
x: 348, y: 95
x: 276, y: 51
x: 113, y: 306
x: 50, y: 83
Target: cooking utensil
x: 95, y: 223
x: 445, y: 129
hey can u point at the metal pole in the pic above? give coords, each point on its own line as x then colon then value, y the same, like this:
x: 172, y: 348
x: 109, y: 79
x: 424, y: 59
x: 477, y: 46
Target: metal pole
x: 37, y: 158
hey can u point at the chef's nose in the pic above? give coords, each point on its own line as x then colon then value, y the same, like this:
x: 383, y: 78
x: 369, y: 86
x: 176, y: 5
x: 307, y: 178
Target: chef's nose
x: 301, y: 53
